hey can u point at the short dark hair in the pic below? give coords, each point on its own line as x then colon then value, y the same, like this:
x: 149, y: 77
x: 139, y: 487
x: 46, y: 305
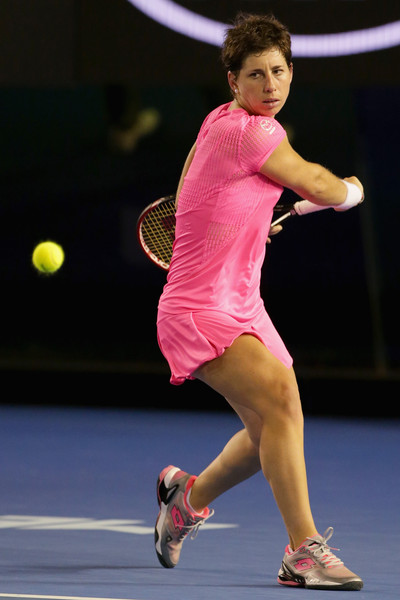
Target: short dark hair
x: 253, y: 34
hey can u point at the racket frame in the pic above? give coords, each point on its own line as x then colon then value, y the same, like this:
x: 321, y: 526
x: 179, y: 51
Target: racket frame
x: 139, y: 230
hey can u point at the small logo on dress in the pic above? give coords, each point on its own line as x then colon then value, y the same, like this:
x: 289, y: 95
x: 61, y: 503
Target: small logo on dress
x: 268, y: 126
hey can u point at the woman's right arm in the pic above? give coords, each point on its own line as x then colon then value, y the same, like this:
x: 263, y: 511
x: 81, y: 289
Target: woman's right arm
x: 309, y: 180
x: 186, y: 166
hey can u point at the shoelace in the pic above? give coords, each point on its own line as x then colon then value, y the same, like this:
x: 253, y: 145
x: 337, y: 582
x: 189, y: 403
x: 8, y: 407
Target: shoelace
x: 195, y: 527
x: 323, y: 552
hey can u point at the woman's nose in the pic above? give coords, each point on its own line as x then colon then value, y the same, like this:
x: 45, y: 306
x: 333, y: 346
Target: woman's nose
x: 269, y: 84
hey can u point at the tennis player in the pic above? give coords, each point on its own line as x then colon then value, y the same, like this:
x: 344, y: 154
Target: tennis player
x: 212, y: 323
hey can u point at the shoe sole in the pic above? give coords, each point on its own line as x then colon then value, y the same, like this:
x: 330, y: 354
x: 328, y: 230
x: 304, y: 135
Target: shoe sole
x: 160, y: 556
x: 301, y: 583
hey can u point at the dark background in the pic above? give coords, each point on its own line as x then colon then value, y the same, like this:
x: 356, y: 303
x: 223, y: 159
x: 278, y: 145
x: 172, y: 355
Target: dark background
x: 87, y: 334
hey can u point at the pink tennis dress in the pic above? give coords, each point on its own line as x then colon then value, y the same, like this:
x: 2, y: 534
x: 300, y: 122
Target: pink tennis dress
x: 212, y: 294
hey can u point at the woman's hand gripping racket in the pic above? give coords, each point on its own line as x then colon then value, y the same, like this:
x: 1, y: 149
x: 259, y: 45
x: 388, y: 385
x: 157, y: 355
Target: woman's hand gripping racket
x: 156, y: 225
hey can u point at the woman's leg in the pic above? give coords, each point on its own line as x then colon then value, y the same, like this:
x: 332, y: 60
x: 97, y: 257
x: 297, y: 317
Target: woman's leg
x: 238, y: 461
x: 264, y: 393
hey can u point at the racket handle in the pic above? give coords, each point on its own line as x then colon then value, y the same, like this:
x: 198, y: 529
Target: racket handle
x: 305, y: 207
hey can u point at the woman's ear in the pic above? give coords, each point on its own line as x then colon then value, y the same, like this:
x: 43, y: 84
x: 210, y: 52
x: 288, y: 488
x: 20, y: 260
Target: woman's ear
x: 232, y: 82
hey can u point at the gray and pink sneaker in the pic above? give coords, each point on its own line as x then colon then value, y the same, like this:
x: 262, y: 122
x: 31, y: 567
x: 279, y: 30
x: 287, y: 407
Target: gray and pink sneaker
x: 175, y: 519
x: 314, y: 566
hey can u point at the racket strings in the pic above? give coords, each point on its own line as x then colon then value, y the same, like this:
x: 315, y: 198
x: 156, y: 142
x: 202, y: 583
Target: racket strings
x: 158, y: 230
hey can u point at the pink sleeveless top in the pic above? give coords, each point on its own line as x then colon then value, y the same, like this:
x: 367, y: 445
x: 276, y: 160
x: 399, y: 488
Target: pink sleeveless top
x: 224, y: 213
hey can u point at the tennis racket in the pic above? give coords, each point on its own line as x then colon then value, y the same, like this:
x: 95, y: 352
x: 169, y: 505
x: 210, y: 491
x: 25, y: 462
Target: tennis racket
x: 156, y: 225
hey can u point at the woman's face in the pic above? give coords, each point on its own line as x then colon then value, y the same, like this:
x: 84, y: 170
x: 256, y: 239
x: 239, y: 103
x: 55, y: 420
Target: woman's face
x: 262, y: 84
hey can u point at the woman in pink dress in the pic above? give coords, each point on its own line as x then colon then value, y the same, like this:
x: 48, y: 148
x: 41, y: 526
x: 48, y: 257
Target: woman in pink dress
x: 212, y: 323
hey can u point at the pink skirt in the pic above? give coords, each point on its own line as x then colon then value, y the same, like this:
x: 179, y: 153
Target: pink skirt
x: 188, y: 340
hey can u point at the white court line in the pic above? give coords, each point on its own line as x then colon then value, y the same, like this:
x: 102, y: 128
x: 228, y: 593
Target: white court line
x: 35, y: 596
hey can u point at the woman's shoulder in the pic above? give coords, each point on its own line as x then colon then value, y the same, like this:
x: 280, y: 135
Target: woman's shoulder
x: 212, y: 118
x: 268, y: 124
x: 239, y: 120
x: 249, y: 122
x: 218, y: 112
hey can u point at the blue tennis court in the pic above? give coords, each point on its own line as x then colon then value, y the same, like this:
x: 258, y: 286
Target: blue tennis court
x: 77, y: 506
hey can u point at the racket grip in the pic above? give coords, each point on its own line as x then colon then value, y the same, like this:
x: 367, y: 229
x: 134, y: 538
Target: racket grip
x: 305, y: 207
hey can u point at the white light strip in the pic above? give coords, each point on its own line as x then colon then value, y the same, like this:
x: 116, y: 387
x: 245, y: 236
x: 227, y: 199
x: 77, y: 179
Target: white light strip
x: 346, y: 43
x: 182, y: 20
x: 186, y: 22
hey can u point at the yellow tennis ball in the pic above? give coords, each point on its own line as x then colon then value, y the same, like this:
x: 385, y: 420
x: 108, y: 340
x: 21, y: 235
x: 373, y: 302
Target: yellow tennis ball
x: 48, y: 257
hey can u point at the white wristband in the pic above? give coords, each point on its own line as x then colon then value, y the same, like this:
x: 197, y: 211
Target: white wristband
x: 354, y: 197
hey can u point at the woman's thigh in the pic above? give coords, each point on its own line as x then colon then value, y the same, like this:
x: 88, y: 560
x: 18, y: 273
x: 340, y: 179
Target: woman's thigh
x: 251, y: 378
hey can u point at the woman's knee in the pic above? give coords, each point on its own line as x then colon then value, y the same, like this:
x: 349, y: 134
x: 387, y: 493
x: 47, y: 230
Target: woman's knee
x: 284, y: 402
x: 254, y: 436
x: 252, y: 424
x: 275, y: 400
